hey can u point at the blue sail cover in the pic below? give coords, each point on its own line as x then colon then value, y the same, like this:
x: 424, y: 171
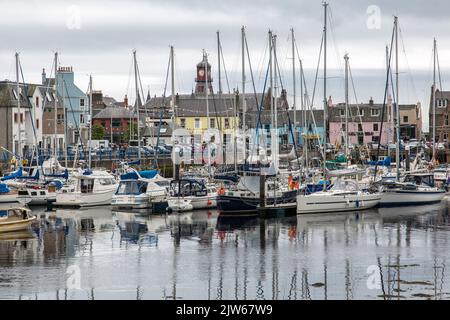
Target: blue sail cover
x: 4, y: 188
x: 13, y: 175
x: 148, y: 174
x: 129, y: 176
x: 64, y: 175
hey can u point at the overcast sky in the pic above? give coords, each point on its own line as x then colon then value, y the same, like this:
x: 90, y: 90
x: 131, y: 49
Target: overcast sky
x: 97, y: 37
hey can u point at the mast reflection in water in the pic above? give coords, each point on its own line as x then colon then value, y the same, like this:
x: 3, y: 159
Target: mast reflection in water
x: 99, y: 254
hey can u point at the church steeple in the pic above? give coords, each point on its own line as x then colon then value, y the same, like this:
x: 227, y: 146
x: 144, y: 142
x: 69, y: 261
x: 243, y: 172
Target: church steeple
x: 203, y: 71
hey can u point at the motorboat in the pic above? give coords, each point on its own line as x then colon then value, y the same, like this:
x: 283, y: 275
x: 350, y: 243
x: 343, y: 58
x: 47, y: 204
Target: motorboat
x: 415, y: 189
x: 88, y: 188
x: 15, y: 219
x: 140, y: 190
x: 188, y: 194
x: 344, y: 195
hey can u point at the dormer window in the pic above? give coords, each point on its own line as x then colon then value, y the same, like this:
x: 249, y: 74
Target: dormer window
x: 342, y: 111
x: 374, y: 112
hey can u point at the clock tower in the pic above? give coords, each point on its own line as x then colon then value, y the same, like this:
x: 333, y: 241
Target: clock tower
x: 203, y: 77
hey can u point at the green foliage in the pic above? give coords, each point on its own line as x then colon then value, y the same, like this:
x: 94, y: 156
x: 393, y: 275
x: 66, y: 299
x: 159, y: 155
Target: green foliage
x: 130, y: 133
x: 98, y: 132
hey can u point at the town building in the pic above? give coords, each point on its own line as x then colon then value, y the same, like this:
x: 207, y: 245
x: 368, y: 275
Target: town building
x: 75, y: 101
x: 441, y: 110
x: 366, y: 120
x: 116, y: 121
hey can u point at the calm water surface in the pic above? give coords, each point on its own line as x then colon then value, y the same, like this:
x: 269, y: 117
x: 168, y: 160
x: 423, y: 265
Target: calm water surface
x: 100, y: 254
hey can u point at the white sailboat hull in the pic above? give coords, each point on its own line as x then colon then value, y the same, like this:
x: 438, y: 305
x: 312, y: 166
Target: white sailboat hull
x: 410, y: 197
x: 78, y: 199
x: 323, y: 202
x: 192, y: 203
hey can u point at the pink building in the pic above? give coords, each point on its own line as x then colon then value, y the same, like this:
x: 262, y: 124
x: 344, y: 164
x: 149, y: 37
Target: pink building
x: 364, y: 124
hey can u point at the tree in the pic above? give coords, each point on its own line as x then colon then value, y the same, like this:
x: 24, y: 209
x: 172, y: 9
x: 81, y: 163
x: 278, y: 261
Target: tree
x: 130, y: 133
x: 98, y: 132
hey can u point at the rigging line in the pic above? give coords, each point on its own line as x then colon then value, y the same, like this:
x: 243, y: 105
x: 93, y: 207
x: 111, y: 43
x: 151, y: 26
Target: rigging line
x: 161, y: 111
x: 317, y: 74
x: 333, y: 37
x: 129, y: 80
x: 308, y: 101
x: 277, y: 67
x: 388, y: 72
x: 251, y: 70
x: 261, y: 62
x: 359, y: 115
x: 407, y: 64
x: 224, y: 67
x: 31, y: 114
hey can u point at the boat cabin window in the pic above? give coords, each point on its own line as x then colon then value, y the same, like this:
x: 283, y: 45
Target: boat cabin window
x: 132, y: 187
x: 347, y: 185
x: 420, y: 180
x: 86, y: 185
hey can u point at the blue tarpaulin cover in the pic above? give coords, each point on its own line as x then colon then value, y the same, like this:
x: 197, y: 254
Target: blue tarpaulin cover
x: 4, y: 188
x: 148, y: 174
x: 13, y: 175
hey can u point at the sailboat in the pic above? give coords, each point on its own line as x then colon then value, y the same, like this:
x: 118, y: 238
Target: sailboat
x: 415, y: 188
x: 345, y: 194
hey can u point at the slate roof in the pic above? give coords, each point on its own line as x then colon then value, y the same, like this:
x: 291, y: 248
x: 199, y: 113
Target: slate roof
x: 115, y: 113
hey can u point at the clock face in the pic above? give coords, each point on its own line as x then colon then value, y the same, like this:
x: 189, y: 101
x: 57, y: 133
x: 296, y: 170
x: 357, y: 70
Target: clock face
x: 201, y: 72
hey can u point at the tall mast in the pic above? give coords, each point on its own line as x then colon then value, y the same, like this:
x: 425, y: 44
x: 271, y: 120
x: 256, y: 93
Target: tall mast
x: 346, y: 104
x: 137, y: 103
x: 19, y: 152
x: 397, y: 146
x: 275, y: 102
x: 90, y: 120
x: 294, y: 106
x: 271, y: 92
x: 205, y: 59
x: 55, y: 134
x: 325, y: 104
x: 243, y: 77
x: 434, y: 99
x: 391, y: 107
x: 305, y: 129
x: 218, y: 62
x: 172, y: 79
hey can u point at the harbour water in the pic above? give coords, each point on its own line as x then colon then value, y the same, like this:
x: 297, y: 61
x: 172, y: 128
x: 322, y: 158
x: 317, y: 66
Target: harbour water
x: 100, y: 254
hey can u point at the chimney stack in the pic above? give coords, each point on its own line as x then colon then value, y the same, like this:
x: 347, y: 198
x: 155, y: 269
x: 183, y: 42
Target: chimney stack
x: 125, y: 101
x: 44, y: 76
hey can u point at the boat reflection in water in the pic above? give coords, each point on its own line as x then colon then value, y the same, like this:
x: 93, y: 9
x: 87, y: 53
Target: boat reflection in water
x: 320, y: 256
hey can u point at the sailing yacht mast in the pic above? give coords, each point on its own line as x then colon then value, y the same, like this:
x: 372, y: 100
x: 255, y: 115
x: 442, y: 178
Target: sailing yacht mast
x: 434, y: 99
x: 244, y: 104
x: 90, y: 120
x: 325, y: 104
x: 271, y: 93
x: 218, y: 62
x: 391, y: 107
x: 55, y: 134
x: 275, y: 102
x: 294, y: 105
x: 19, y: 144
x: 137, y: 103
x: 346, y: 105
x: 397, y: 146
x: 172, y: 80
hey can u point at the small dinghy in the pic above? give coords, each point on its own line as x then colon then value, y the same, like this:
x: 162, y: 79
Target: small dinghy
x: 15, y: 219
